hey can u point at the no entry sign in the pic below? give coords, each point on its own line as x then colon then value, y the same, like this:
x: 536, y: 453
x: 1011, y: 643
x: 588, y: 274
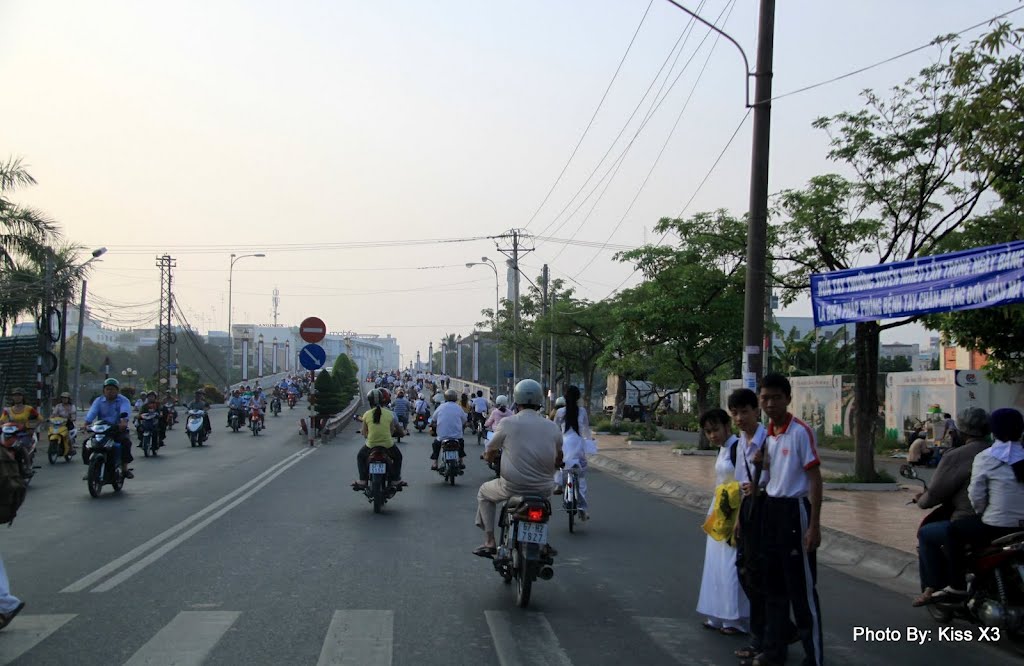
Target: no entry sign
x: 312, y: 329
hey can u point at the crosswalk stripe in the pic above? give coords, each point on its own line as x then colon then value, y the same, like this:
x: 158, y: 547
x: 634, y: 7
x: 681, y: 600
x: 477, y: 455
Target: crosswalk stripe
x: 676, y: 637
x: 528, y: 640
x: 359, y: 638
x: 27, y: 631
x: 186, y: 640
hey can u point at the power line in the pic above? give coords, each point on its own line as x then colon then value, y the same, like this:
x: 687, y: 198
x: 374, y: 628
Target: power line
x: 599, y: 105
x: 860, y: 70
x: 293, y: 247
x: 196, y: 343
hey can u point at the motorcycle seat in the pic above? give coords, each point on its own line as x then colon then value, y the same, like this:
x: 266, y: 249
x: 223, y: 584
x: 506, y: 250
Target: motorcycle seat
x: 1008, y: 539
x: 517, y: 501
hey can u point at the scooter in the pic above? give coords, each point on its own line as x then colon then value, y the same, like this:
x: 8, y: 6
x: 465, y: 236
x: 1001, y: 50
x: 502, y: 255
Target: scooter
x: 21, y: 443
x: 523, y: 553
x: 379, y: 489
x: 149, y: 433
x: 275, y: 406
x: 420, y: 422
x: 255, y: 420
x: 194, y: 427
x: 103, y: 454
x: 62, y: 440
x: 449, y: 465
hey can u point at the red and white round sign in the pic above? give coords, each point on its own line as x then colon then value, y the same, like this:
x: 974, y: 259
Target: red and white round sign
x: 312, y: 329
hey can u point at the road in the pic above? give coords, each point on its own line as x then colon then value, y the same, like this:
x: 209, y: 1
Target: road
x: 254, y: 550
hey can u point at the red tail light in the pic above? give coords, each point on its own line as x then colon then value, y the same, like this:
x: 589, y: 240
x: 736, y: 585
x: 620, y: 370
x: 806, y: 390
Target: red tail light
x: 535, y: 514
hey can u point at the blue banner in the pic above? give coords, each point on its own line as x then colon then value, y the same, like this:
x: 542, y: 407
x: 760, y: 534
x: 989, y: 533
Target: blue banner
x: 980, y: 278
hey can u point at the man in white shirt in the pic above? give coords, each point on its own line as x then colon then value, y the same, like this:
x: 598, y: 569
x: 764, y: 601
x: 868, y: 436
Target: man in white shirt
x: 480, y: 409
x: 449, y: 421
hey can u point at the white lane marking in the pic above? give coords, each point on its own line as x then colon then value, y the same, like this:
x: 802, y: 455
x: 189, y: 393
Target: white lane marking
x: 529, y: 641
x: 186, y: 640
x: 677, y: 638
x: 116, y: 565
x: 359, y: 638
x: 27, y: 631
x: 141, y: 564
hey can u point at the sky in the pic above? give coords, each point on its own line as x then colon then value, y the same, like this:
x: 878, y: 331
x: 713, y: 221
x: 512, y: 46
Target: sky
x: 303, y: 129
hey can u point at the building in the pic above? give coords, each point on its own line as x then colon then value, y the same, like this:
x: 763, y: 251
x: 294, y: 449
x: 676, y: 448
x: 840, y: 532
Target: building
x: 805, y: 326
x: 911, y: 352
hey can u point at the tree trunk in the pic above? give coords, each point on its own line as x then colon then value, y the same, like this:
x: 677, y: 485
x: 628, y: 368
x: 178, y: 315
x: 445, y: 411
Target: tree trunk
x: 62, y: 370
x: 703, y: 390
x: 620, y: 399
x: 865, y: 393
x: 589, y: 388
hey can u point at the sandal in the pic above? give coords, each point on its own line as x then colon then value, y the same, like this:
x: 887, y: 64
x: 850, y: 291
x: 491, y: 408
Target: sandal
x: 731, y: 631
x: 5, y: 618
x: 486, y: 551
x: 709, y: 626
x: 923, y: 599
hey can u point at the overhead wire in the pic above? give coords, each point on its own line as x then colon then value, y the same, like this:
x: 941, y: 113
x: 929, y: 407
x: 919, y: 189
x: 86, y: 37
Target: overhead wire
x: 197, y: 345
x: 292, y: 247
x: 592, y: 118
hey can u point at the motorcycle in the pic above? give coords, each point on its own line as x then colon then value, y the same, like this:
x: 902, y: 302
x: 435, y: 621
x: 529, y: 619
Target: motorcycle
x: 450, y: 466
x: 420, y: 422
x: 523, y: 553
x: 22, y: 444
x: 194, y: 427
x: 275, y: 406
x: 62, y: 441
x: 104, y: 458
x: 172, y: 415
x: 255, y: 420
x: 236, y: 417
x: 495, y: 464
x: 291, y: 401
x: 149, y: 433
x: 379, y: 489
x: 995, y: 583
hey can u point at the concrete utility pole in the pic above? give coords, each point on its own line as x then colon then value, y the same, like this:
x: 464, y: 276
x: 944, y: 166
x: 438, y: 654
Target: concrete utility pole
x: 544, y: 314
x: 756, y: 289
x: 513, y: 254
x: 554, y: 364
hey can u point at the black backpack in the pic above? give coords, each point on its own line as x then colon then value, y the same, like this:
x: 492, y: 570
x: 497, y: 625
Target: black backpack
x: 12, y: 486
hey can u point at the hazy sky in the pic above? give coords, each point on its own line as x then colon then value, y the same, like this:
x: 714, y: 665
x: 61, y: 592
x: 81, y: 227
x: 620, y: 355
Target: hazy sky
x: 203, y: 128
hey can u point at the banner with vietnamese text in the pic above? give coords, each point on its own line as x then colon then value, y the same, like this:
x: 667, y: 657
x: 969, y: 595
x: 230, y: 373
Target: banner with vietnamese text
x: 979, y: 278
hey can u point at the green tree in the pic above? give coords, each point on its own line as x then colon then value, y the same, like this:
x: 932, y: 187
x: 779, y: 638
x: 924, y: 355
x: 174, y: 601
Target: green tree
x: 895, y: 364
x: 328, y: 399
x: 344, y: 372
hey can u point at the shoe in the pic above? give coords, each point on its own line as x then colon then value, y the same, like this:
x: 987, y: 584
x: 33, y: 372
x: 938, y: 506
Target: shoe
x: 558, y: 490
x: 5, y: 618
x: 128, y: 474
x: 433, y: 468
x: 583, y: 516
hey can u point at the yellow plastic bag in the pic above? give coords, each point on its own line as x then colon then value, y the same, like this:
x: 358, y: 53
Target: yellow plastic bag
x: 724, y: 510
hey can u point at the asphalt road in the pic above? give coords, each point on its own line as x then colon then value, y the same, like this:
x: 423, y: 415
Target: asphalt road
x: 254, y: 550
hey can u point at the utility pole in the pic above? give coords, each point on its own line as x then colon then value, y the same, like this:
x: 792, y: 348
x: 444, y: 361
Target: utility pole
x: 554, y: 364
x: 276, y: 300
x: 165, y: 335
x: 44, y: 327
x: 754, y: 302
x: 544, y: 314
x: 513, y: 254
x: 78, y: 350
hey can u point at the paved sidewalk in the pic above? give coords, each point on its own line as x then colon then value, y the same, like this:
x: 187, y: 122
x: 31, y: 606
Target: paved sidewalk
x: 871, y: 533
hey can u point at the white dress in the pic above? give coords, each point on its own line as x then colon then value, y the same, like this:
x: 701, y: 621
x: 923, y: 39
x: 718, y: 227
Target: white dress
x: 722, y: 599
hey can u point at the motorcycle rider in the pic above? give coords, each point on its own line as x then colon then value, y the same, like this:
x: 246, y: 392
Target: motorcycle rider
x: 553, y: 414
x: 259, y: 402
x: 531, y: 452
x: 26, y: 416
x: 199, y: 402
x: 65, y: 410
x: 235, y: 405
x: 948, y: 489
x: 449, y: 421
x: 479, y: 409
x: 400, y: 407
x: 500, y: 412
x: 379, y: 426
x: 152, y: 405
x: 108, y: 408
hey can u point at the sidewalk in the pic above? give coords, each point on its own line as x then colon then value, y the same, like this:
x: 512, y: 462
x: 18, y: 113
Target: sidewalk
x: 871, y: 534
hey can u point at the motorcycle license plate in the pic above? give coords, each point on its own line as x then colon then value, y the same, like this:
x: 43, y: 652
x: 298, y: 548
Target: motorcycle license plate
x: 378, y: 468
x: 533, y: 533
x: 451, y: 455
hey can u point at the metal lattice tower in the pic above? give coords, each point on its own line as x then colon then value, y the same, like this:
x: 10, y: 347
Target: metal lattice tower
x: 165, y: 335
x: 276, y: 300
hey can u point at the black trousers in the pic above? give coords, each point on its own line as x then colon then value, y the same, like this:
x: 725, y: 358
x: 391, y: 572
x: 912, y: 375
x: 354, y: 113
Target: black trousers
x: 970, y: 532
x: 791, y: 574
x: 437, y: 449
x: 363, y: 463
x: 749, y: 552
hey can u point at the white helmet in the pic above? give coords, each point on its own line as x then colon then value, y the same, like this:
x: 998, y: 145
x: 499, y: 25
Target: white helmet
x: 560, y: 402
x: 438, y: 398
x: 373, y: 397
x: 451, y: 395
x: 528, y: 393
x: 501, y: 400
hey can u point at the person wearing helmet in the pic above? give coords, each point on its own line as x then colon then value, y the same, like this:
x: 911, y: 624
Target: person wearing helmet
x: 448, y: 420
x: 531, y: 452
x: 236, y: 405
x: 379, y: 427
x: 152, y: 405
x: 19, y: 412
x: 553, y: 414
x: 65, y: 410
x: 479, y: 414
x: 113, y: 408
x: 401, y: 408
x: 499, y: 413
x: 574, y: 423
x: 199, y: 402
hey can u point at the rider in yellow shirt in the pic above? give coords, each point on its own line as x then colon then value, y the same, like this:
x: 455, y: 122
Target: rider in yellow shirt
x: 379, y: 426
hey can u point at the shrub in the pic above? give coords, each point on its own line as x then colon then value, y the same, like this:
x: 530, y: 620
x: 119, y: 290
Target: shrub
x: 682, y: 421
x: 881, y: 476
x: 214, y: 395
x: 328, y: 398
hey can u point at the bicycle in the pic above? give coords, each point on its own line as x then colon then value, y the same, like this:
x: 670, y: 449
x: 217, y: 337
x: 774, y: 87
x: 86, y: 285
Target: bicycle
x: 571, y: 495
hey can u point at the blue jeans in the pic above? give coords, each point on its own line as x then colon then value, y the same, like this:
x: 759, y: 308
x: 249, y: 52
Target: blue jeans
x: 933, y: 564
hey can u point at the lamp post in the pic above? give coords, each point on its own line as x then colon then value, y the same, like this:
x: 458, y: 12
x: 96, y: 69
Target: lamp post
x: 259, y: 357
x: 130, y: 374
x: 231, y: 347
x: 96, y: 254
x: 458, y: 357
x: 484, y: 261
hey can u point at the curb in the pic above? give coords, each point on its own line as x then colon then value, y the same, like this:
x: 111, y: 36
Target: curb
x: 873, y: 561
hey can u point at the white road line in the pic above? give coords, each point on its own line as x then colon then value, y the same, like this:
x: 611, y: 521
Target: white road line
x: 529, y: 641
x: 116, y: 565
x: 141, y: 564
x: 27, y: 631
x: 186, y: 640
x: 359, y: 638
x: 676, y: 637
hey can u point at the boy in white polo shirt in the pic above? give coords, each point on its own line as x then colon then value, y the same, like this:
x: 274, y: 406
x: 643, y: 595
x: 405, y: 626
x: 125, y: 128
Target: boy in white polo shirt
x: 792, y: 526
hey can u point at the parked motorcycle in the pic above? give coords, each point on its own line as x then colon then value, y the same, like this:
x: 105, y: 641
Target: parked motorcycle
x: 275, y: 406
x: 523, y: 552
x: 104, y: 458
x: 22, y: 444
x: 255, y: 420
x: 61, y: 439
x: 149, y: 433
x: 420, y: 422
x: 379, y: 489
x: 194, y: 427
x: 449, y: 465
x: 995, y: 583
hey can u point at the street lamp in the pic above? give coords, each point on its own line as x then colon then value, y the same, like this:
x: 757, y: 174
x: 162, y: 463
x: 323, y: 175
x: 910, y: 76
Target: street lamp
x: 96, y: 254
x: 484, y: 261
x: 130, y: 374
x: 231, y: 347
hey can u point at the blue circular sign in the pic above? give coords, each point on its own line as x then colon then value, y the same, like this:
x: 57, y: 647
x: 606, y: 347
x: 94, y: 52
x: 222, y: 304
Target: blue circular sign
x: 312, y: 357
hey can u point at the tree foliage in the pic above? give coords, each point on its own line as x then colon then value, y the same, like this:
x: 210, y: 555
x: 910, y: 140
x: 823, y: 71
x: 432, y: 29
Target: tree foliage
x: 345, y: 371
x: 328, y: 398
